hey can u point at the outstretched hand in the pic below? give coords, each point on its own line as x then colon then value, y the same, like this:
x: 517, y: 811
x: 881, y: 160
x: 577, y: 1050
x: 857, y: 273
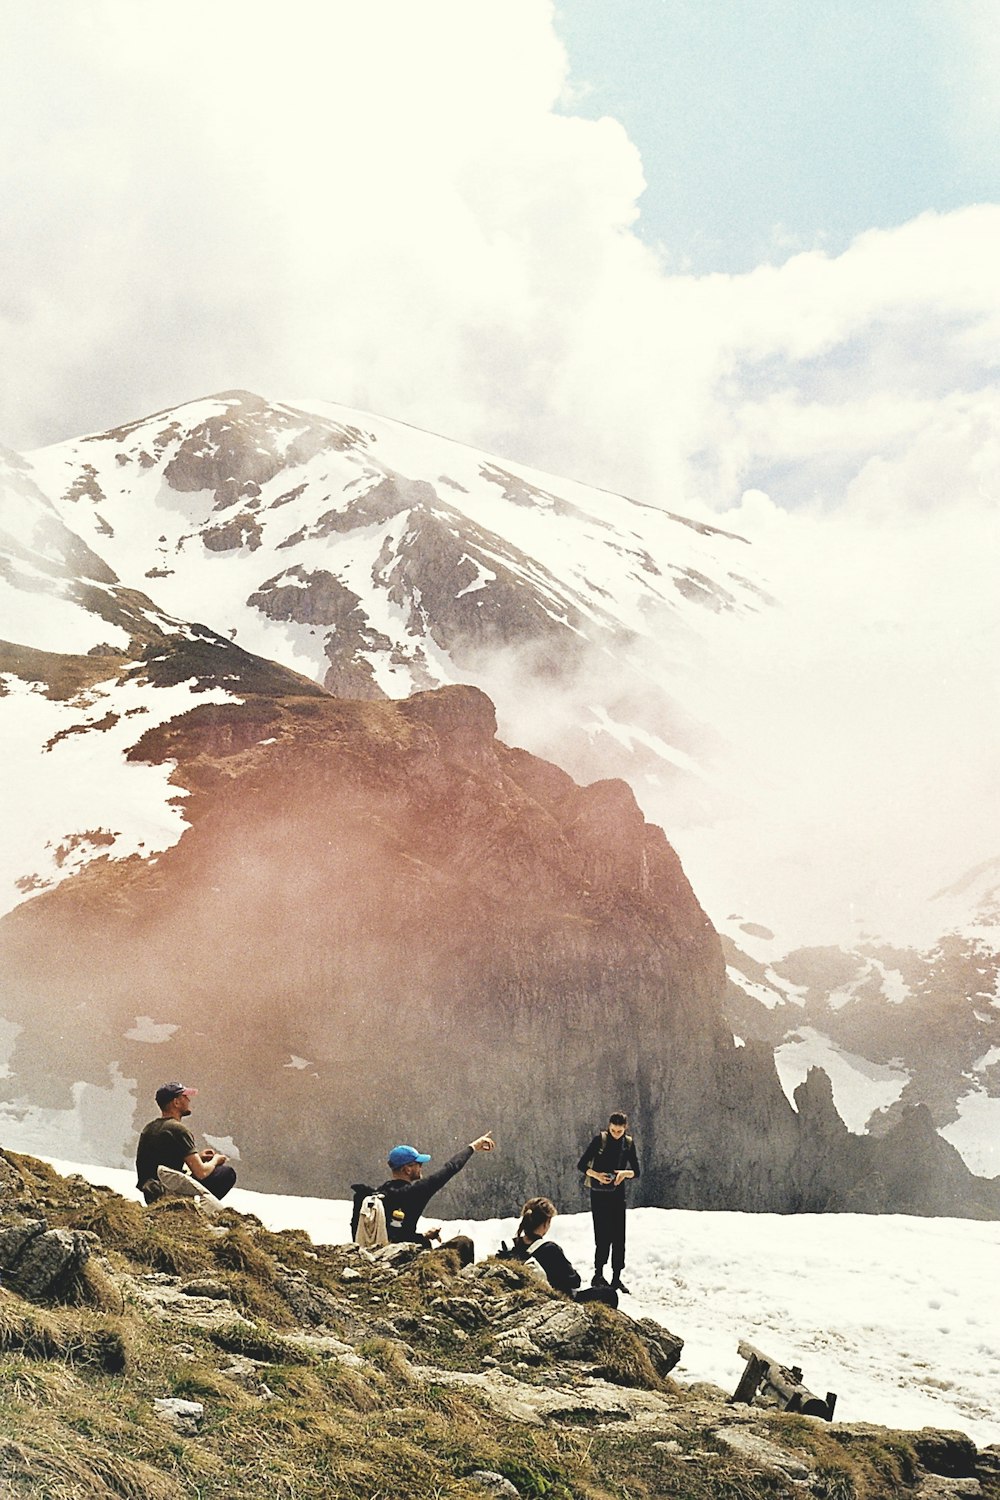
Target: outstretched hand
x: 484, y: 1142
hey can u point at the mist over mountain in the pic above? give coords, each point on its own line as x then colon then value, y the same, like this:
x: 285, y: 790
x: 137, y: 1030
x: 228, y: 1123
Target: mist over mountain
x: 225, y: 862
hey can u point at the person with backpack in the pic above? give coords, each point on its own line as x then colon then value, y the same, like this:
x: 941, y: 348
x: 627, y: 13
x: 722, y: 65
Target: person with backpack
x: 607, y: 1164
x: 530, y: 1246
x: 406, y: 1194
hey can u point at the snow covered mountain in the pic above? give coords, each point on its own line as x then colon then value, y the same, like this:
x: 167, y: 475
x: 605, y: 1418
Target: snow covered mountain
x: 377, y: 559
x: 891, y: 1026
x: 90, y: 664
x: 327, y: 549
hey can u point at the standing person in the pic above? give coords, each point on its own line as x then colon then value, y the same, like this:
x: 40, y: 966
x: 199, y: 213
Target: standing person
x: 168, y: 1143
x: 408, y: 1191
x: 607, y: 1164
x: 530, y: 1244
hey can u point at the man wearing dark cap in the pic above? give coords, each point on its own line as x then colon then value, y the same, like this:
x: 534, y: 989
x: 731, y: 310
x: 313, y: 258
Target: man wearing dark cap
x: 168, y: 1143
x: 408, y: 1191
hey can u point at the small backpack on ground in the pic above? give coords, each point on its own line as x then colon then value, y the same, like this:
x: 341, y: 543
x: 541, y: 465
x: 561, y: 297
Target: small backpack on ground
x: 368, y: 1226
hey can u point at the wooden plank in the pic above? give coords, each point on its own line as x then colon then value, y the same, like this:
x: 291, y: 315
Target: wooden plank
x: 764, y: 1375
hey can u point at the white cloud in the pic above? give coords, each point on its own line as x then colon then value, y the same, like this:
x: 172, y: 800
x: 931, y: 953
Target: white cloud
x: 966, y: 37
x: 861, y: 721
x: 379, y: 204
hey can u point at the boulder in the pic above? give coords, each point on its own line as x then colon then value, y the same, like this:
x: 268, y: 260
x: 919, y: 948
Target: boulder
x: 493, y: 1484
x: 762, y: 1453
x: 184, y: 1416
x: 40, y: 1263
x: 664, y: 1347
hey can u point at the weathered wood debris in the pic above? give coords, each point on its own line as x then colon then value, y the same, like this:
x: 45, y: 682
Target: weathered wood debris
x: 778, y: 1385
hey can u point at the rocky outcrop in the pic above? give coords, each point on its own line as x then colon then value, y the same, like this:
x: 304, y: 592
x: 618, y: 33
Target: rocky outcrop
x: 565, y: 1399
x: 384, y: 924
x: 924, y: 1019
x: 38, y: 1262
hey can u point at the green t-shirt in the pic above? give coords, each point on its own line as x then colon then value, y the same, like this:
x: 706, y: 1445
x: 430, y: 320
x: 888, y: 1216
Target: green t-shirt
x: 162, y: 1143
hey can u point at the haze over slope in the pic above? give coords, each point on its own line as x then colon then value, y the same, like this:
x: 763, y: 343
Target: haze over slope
x: 858, y: 717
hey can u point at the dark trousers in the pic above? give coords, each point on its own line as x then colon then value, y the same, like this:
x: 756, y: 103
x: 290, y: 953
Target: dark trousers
x: 603, y: 1294
x: 220, y: 1181
x: 608, y: 1210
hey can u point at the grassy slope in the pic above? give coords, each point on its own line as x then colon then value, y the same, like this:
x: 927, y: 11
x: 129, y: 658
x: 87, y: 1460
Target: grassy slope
x: 288, y: 1412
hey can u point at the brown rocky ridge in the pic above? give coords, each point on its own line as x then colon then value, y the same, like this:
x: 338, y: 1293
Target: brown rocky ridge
x: 384, y: 924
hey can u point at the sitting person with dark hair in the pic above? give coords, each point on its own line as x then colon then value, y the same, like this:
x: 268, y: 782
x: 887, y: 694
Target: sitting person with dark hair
x: 167, y: 1159
x: 536, y: 1221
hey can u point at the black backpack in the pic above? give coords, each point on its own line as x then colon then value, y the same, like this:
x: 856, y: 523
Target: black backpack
x: 517, y: 1251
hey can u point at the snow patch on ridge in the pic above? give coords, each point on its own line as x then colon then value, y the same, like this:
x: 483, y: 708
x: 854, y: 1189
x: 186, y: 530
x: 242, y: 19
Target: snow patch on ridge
x: 69, y: 794
x: 761, y: 992
x: 148, y: 1030
x: 47, y: 620
x: 95, y: 1115
x: 628, y: 735
x: 859, y: 1087
x: 976, y: 1132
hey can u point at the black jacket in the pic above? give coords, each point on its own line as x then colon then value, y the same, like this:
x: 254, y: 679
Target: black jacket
x: 605, y: 1154
x: 406, y: 1201
x: 561, y: 1272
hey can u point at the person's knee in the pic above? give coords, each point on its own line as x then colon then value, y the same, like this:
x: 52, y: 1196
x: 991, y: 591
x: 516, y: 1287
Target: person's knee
x: 220, y: 1181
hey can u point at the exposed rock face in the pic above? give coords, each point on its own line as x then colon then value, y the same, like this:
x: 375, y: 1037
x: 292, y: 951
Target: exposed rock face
x: 384, y: 925
x: 38, y: 1262
x: 928, y: 1019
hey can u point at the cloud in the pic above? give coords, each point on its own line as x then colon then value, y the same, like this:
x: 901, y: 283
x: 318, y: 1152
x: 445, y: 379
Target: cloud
x: 859, y: 723
x: 382, y: 205
x: 964, y: 33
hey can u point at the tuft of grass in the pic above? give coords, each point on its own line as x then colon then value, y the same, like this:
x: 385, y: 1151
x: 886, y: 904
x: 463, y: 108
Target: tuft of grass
x: 387, y: 1356
x: 834, y: 1482
x: 60, y: 1465
x: 118, y: 1224
x: 95, y: 1288
x: 621, y: 1355
x: 200, y: 1381
x: 76, y: 1338
x: 257, y: 1342
x: 28, y: 1382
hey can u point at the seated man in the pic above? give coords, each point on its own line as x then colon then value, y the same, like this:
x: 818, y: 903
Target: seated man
x: 166, y: 1143
x: 408, y: 1191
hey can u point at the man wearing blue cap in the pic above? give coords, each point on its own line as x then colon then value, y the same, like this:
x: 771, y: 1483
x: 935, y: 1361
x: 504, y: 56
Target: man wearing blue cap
x: 408, y: 1191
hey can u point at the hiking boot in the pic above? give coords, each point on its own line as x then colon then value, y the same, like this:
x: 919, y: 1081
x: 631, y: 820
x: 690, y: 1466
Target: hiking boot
x: 618, y: 1285
x: 598, y: 1279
